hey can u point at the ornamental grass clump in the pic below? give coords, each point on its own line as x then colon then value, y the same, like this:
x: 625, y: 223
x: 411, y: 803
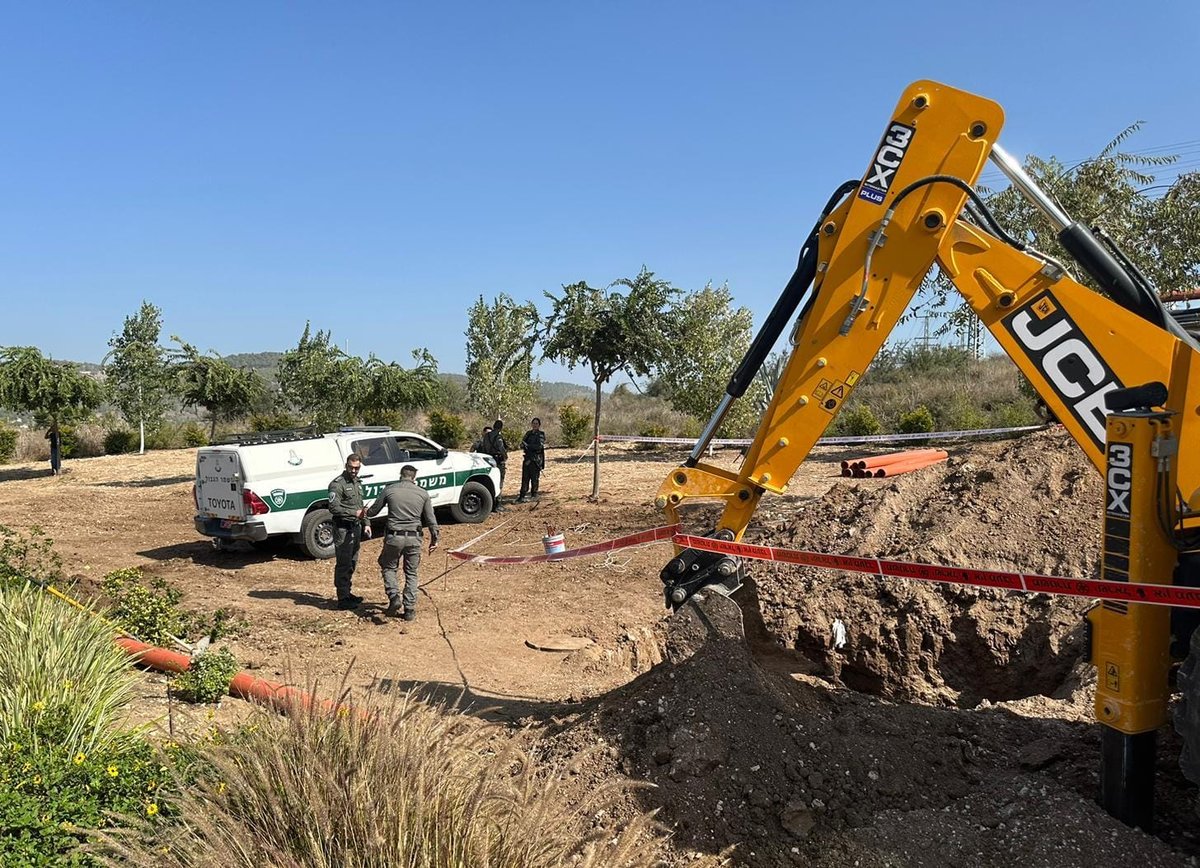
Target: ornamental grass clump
x: 405, y: 785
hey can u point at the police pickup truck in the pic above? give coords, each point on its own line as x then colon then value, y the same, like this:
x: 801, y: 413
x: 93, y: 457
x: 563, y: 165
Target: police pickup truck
x: 274, y: 484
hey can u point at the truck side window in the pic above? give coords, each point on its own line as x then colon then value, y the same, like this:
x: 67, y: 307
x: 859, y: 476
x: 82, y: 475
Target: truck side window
x: 376, y: 450
x: 418, y: 450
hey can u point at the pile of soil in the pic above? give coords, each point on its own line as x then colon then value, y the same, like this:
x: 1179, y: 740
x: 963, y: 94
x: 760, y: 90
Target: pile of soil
x: 792, y: 771
x: 746, y: 748
x: 1031, y: 505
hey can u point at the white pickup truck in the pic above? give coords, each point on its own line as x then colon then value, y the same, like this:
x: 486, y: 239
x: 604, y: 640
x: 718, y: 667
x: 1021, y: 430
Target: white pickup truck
x: 275, y: 483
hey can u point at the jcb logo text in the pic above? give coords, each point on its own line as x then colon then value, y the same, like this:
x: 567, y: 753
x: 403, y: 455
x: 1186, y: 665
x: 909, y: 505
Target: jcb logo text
x: 1119, y: 478
x: 1072, y: 367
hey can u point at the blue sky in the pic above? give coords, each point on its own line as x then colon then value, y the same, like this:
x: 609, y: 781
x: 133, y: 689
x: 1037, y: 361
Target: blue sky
x: 374, y: 167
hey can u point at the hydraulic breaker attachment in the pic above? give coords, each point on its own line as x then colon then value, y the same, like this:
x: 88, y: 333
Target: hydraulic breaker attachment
x: 1130, y: 641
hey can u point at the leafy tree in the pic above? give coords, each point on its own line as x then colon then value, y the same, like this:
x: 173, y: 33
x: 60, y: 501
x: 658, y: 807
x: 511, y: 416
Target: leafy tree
x: 610, y: 332
x: 320, y: 381
x: 500, y: 341
x: 710, y: 340
x: 55, y: 393
x: 1157, y: 224
x: 391, y: 388
x: 138, y: 371
x: 225, y: 391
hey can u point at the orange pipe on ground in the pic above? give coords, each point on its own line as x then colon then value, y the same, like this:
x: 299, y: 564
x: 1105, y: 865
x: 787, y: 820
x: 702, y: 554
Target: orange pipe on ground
x: 279, y: 696
x: 907, y: 466
x: 893, y: 457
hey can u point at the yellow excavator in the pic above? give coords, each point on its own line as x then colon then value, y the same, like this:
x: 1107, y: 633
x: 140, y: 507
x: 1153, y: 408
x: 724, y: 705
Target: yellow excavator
x: 1113, y: 366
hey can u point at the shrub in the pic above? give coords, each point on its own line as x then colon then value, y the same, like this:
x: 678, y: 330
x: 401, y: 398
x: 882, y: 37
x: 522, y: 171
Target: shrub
x: 27, y: 557
x: 274, y: 421
x: 165, y: 436
x: 447, y: 428
x: 574, y: 424
x: 147, y: 612
x: 67, y: 440
x: 916, y: 421
x: 207, y: 677
x: 51, y: 797
x: 192, y: 435
x: 960, y: 414
x: 858, y: 421
x: 1013, y: 414
x: 8, y: 443
x: 442, y: 789
x: 63, y: 683
x: 119, y: 441
x: 652, y: 431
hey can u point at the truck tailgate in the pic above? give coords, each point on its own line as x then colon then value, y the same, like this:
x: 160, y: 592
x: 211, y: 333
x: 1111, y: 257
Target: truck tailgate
x: 219, y: 484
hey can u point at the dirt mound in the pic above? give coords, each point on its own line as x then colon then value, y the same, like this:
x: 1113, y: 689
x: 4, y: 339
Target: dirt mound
x: 795, y: 772
x: 1031, y: 505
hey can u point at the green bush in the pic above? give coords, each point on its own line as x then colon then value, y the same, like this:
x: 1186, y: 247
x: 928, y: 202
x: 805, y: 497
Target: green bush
x: 207, y: 677
x: 163, y: 437
x: 574, y: 424
x: 1013, y: 414
x: 68, y: 764
x: 858, y: 421
x: 119, y: 441
x: 149, y: 613
x: 8, y: 443
x: 916, y: 421
x: 68, y: 441
x: 27, y: 557
x: 652, y: 431
x: 48, y: 798
x: 274, y: 421
x: 192, y: 435
x: 447, y: 428
x: 960, y: 414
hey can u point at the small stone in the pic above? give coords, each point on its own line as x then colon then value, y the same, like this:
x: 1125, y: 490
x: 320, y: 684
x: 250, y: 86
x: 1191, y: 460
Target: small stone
x: 797, y: 820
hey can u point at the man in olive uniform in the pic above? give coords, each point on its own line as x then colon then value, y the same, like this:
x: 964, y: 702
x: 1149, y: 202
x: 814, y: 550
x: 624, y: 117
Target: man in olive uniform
x: 349, y: 528
x: 493, y: 444
x: 409, y: 508
x: 533, y: 444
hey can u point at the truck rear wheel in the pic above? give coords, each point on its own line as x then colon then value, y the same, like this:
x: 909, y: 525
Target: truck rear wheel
x: 316, y: 534
x: 474, y: 504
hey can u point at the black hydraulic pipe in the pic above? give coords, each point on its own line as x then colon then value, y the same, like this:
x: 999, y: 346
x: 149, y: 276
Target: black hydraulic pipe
x: 1107, y: 271
x: 785, y: 305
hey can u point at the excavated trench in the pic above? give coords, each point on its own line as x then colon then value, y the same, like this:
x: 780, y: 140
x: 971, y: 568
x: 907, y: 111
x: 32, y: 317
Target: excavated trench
x: 1031, y: 504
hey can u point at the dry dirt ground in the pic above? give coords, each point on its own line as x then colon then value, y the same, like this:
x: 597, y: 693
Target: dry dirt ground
x: 959, y: 732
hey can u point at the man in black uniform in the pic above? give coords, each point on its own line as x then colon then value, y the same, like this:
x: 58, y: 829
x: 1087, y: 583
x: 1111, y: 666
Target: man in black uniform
x: 349, y: 527
x: 409, y: 508
x: 493, y: 444
x: 533, y: 445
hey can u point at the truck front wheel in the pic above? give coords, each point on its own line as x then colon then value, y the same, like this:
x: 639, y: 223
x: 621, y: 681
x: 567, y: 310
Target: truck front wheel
x: 316, y: 534
x: 474, y: 504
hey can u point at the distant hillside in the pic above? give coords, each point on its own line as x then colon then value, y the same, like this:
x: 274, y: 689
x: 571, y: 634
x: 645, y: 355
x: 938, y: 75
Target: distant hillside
x: 263, y: 364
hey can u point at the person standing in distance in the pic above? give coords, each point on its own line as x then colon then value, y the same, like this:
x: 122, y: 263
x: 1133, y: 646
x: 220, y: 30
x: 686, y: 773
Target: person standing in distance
x: 477, y: 446
x: 349, y: 529
x: 533, y: 445
x: 409, y: 509
x: 493, y: 444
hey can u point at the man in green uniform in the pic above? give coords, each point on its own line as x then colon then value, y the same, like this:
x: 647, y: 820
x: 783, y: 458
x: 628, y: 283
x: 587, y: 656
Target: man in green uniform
x: 349, y: 528
x: 409, y: 508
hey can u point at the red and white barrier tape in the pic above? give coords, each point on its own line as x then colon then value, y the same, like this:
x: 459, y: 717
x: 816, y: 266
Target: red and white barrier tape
x: 1127, y: 592
x: 1159, y: 595
x: 831, y: 441
x: 656, y: 534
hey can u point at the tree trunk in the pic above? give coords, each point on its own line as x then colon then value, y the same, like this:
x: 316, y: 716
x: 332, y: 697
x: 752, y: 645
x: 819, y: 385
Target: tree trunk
x: 596, y: 447
x: 142, y: 434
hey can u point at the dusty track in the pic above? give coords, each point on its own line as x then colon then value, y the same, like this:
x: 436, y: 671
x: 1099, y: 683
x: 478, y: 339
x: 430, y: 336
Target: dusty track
x: 954, y: 779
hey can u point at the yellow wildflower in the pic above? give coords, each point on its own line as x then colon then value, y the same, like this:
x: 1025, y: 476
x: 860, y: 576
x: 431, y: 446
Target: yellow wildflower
x: 221, y: 787
x: 40, y: 705
x: 151, y: 809
x: 112, y: 771
x: 68, y: 684
x: 28, y: 767
x: 80, y: 758
x: 152, y: 786
x: 37, y: 779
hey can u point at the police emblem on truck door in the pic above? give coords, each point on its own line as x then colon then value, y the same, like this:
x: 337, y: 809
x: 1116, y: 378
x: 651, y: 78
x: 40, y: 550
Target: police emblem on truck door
x: 278, y: 497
